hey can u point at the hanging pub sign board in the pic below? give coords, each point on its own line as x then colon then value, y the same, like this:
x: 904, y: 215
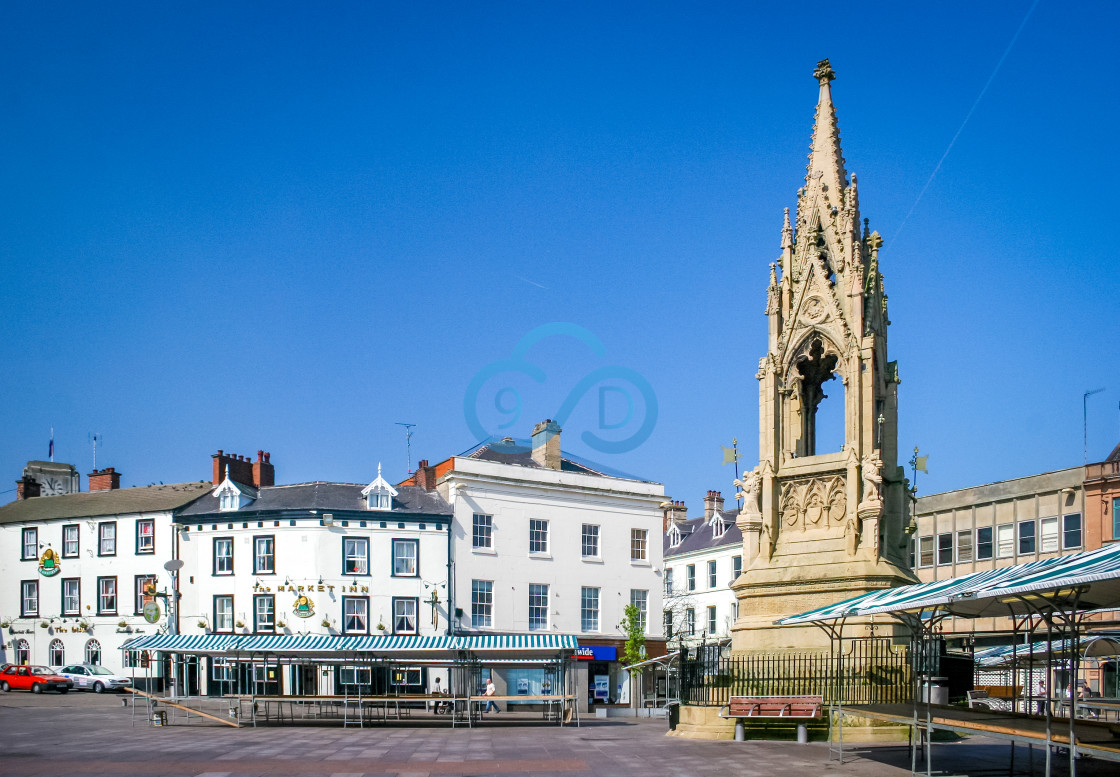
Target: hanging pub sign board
x: 48, y: 563
x: 303, y: 607
x: 151, y: 612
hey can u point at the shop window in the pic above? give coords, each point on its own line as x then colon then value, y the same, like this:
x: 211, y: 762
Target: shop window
x: 355, y: 675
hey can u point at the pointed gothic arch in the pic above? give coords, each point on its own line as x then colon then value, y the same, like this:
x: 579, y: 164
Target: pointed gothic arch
x: 811, y: 369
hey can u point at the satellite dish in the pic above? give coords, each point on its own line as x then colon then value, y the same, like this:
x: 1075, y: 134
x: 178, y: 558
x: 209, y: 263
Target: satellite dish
x: 174, y: 565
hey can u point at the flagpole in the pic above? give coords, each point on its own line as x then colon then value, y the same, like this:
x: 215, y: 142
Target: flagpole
x: 51, y: 446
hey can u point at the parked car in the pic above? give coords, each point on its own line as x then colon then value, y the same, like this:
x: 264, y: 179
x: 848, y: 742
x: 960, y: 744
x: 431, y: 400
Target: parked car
x: 97, y: 678
x: 33, y: 678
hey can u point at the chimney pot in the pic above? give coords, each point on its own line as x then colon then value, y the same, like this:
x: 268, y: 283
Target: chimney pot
x: 546, y: 444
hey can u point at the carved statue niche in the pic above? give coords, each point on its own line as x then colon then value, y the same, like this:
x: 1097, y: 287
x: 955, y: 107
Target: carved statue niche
x: 872, y: 480
x: 837, y: 501
x: 814, y: 505
x: 791, y: 509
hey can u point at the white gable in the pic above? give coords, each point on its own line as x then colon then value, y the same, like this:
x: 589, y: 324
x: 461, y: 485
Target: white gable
x: 379, y: 494
x: 232, y: 495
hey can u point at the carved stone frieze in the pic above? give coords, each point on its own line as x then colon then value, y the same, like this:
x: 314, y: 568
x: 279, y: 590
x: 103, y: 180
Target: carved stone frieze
x: 813, y: 503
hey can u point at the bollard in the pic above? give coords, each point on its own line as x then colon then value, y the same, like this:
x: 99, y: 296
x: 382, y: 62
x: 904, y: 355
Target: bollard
x: 740, y: 731
x: 802, y: 734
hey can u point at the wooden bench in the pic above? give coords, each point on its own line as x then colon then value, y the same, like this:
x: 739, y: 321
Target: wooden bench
x: 773, y: 707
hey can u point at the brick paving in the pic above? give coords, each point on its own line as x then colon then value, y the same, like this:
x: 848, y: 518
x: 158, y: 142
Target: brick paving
x: 83, y: 734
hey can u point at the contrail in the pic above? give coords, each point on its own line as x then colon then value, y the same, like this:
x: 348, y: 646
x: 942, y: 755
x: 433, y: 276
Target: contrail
x: 960, y: 129
x: 529, y: 281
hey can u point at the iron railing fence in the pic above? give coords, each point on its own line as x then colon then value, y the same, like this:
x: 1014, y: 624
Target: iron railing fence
x: 869, y: 671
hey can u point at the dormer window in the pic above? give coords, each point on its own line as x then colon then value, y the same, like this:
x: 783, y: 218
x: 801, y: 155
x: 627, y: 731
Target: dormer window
x: 719, y: 526
x: 233, y: 496
x: 675, y: 536
x: 379, y: 494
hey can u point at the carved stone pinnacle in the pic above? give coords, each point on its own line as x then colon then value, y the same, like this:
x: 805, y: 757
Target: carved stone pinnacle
x: 824, y: 72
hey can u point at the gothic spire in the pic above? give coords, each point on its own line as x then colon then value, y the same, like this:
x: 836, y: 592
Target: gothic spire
x: 826, y: 161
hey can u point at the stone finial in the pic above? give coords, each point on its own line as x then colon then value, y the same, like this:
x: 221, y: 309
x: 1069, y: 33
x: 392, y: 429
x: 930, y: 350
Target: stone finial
x: 824, y: 72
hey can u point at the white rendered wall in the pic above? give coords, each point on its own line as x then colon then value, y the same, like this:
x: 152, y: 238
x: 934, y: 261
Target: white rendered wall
x: 515, y: 495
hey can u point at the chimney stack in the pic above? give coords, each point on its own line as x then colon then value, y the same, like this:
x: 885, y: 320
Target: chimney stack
x: 546, y: 444
x: 713, y: 503
x: 27, y: 488
x: 264, y: 474
x: 243, y: 470
x: 673, y: 512
x: 425, y: 476
x: 107, y: 479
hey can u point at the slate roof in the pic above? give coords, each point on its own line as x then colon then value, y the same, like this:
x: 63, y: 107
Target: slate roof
x: 327, y: 496
x: 697, y: 535
x: 519, y: 453
x: 90, y: 504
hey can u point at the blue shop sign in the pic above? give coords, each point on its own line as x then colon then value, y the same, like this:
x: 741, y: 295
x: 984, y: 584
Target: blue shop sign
x: 597, y: 653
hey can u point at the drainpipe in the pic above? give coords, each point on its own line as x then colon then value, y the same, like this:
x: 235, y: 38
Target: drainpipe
x: 450, y: 582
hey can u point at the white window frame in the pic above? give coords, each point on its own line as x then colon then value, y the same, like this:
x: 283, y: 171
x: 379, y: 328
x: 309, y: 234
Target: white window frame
x: 713, y: 581
x: 639, y: 597
x: 927, y: 553
x: 71, y: 596
x: 29, y: 542
x: 107, y: 538
x: 538, y: 536
x: 355, y: 615
x: 589, y: 609
x: 639, y: 545
x: 145, y: 541
x: 1005, y: 540
x: 71, y: 544
x: 538, y: 606
x: 223, y: 616
x: 264, y: 563
x: 1049, y: 534
x: 264, y: 614
x: 223, y: 560
x: 29, y: 598
x: 482, y: 532
x: 589, y: 541
x: 355, y: 552
x: 406, y: 615
x: 966, y: 551
x: 107, y: 603
x: 406, y: 558
x: 712, y: 620
x: 690, y: 577
x: 482, y: 604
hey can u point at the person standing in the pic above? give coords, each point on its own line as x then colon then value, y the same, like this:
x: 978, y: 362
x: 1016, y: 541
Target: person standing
x: 491, y: 690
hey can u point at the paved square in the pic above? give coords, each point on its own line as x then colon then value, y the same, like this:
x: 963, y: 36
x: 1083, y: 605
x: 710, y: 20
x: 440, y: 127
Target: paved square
x: 83, y: 734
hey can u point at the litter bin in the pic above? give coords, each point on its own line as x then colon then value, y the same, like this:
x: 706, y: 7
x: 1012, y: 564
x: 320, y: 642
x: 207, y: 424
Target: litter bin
x: 674, y: 709
x: 936, y: 691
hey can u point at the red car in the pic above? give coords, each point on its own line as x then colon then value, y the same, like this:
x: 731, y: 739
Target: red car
x: 33, y: 678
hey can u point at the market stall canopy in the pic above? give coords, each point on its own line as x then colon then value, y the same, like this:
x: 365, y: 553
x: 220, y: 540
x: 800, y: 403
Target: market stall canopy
x: 1008, y: 590
x: 339, y: 646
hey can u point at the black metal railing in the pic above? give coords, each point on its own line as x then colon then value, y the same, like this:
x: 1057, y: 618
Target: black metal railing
x: 869, y: 671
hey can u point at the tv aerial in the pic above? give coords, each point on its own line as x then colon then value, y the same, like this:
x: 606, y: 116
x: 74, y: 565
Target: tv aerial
x: 407, y: 442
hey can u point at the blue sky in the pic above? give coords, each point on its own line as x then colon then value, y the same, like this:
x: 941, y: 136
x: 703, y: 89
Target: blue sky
x: 290, y: 225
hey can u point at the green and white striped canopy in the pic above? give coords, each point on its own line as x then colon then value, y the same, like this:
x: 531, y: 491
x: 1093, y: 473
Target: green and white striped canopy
x: 389, y: 645
x: 991, y: 593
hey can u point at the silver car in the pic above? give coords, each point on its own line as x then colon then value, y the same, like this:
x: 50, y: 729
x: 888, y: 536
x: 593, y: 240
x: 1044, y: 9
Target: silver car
x: 97, y: 678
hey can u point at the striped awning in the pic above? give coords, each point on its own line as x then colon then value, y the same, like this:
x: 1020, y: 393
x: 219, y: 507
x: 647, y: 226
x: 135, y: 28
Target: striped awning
x: 991, y: 593
x: 391, y: 645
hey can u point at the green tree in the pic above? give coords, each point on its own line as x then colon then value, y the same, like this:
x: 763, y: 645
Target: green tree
x: 635, y: 648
